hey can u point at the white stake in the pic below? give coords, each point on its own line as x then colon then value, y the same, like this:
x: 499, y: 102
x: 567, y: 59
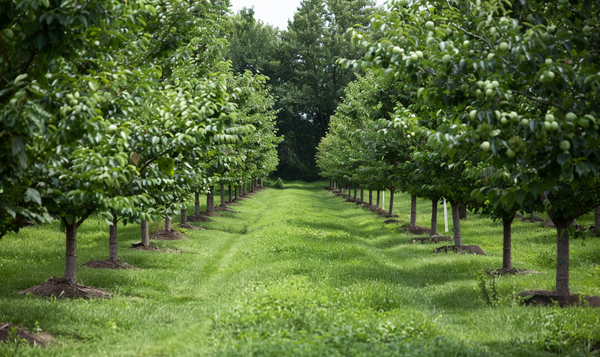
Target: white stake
x: 383, y: 200
x: 446, y: 215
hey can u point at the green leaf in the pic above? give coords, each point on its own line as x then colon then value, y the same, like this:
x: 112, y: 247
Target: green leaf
x: 32, y: 195
x: 520, y: 196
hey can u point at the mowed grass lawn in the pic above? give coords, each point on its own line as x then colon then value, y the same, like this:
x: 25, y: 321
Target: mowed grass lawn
x: 298, y: 271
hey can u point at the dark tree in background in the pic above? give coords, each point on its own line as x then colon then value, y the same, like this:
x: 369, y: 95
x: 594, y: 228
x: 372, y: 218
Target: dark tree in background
x: 300, y: 63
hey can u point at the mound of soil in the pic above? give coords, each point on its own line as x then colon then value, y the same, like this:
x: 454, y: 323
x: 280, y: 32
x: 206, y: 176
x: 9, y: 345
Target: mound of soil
x: 194, y: 228
x: 167, y: 235
x: 31, y: 338
x: 245, y: 196
x: 352, y: 200
x: 386, y: 214
x: 233, y: 204
x: 433, y: 239
x: 549, y: 298
x: 390, y: 221
x: 108, y: 264
x: 513, y: 271
x: 62, y: 288
x: 140, y: 246
x: 466, y: 249
x: 198, y: 219
x: 419, y: 230
x: 548, y: 224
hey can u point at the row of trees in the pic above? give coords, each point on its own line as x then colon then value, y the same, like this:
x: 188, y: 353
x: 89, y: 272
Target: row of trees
x: 492, y: 105
x: 299, y: 62
x: 123, y: 110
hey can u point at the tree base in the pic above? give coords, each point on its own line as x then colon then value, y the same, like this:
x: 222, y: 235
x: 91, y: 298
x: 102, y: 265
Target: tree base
x: 465, y: 249
x: 200, y: 218
x: 391, y: 221
x: 108, y: 264
x: 167, y: 235
x: 419, y: 230
x: 549, y: 298
x: 62, y: 288
x: 34, y: 339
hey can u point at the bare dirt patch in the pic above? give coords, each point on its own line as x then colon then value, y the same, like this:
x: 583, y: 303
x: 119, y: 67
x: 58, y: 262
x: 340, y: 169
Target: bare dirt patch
x: 167, y: 235
x: 140, y: 246
x: 549, y: 298
x: 465, y: 249
x: 62, y: 288
x: 224, y: 209
x: 33, y: 339
x: 391, y: 221
x: 198, y: 219
x: 548, y: 224
x: 418, y: 230
x: 432, y: 239
x: 108, y: 264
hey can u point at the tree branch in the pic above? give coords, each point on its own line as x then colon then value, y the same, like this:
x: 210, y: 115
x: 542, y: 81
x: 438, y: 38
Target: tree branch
x: 539, y: 100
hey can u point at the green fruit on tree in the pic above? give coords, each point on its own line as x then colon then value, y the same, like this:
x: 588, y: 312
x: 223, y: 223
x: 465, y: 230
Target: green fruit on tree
x: 571, y: 116
x: 485, y: 146
x: 446, y: 59
x: 112, y: 128
x: 511, y: 153
x: 396, y: 50
x: 498, y: 114
x: 414, y: 57
x: 419, y: 54
x: 504, y: 121
x: 551, y: 29
x: 548, y: 61
x: 479, y: 94
x: 489, y: 92
x: 549, y: 117
x: 584, y: 123
x: 548, y: 125
x: 495, y: 84
x: 525, y: 122
x: 430, y: 41
x: 473, y: 114
x: 554, y: 126
x: 466, y: 43
x: 549, y: 76
x: 565, y: 145
x: 490, y: 56
x: 429, y: 25
x: 503, y: 46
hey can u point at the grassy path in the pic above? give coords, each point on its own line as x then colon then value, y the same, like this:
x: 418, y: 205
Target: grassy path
x: 298, y: 271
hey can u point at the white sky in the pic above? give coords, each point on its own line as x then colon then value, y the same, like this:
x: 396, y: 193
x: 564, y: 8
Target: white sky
x: 274, y: 12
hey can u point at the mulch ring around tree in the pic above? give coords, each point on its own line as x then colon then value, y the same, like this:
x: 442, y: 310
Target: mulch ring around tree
x: 418, y: 230
x: 432, y: 239
x: 62, y: 288
x: 108, y: 264
x: 547, y: 224
x: 391, y: 221
x: 512, y: 271
x: 465, y: 249
x: 198, y: 219
x: 192, y: 227
x: 33, y: 339
x: 233, y: 204
x: 549, y: 298
x: 166, y: 235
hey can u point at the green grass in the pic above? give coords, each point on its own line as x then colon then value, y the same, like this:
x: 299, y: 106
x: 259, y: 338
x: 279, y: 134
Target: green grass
x: 298, y: 271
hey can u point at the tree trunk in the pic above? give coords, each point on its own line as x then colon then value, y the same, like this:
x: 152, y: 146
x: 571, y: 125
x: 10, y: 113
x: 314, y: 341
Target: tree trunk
x: 463, y: 211
x: 183, y: 214
x: 362, y: 195
x: 112, y: 240
x: 167, y: 223
x: 197, y: 205
x: 370, y: 197
x: 413, y: 211
x: 507, y: 250
x: 71, y: 252
x: 236, y: 191
x: 434, y: 212
x: 210, y: 200
x: 562, y: 260
x: 223, y: 204
x: 456, y: 223
x: 145, y: 235
x: 261, y: 182
x: 391, y: 201
x: 597, y: 220
x: 229, y: 193
x: 355, y: 191
x: 378, y: 197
